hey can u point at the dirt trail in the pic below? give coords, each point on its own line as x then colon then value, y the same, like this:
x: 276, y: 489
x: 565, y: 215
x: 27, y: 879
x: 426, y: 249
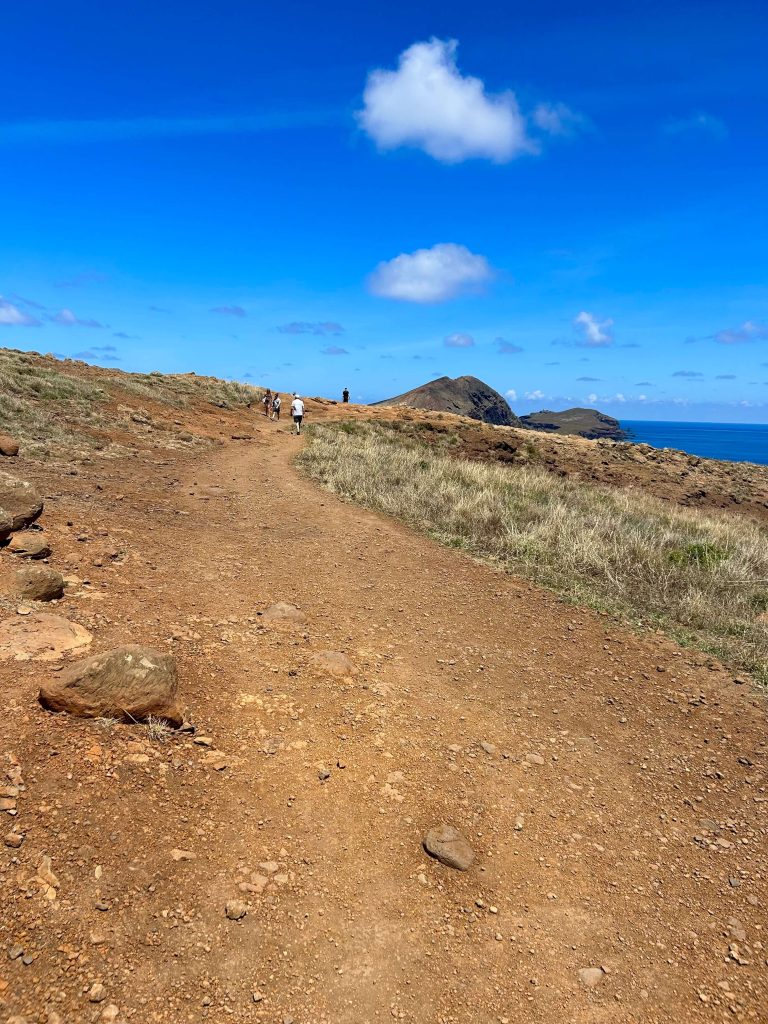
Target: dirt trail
x: 616, y: 806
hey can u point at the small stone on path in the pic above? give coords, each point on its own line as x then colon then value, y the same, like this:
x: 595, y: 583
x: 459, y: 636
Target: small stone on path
x: 591, y: 976
x: 236, y: 910
x: 449, y: 846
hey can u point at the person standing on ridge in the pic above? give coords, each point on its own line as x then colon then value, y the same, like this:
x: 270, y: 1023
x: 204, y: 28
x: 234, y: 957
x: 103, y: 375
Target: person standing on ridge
x: 276, y: 403
x: 267, y: 402
x: 345, y: 395
x: 297, y: 411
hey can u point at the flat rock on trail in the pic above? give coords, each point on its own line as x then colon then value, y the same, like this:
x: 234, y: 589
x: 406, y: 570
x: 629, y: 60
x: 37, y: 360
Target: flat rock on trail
x: 612, y: 786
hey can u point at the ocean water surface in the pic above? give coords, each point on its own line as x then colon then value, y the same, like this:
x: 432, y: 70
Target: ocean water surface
x: 735, y: 442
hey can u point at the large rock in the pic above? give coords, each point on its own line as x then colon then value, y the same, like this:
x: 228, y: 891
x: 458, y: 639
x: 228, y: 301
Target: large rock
x: 41, y: 637
x: 40, y: 583
x: 29, y: 544
x: 20, y: 500
x: 450, y: 847
x: 130, y: 683
x: 333, y: 663
x: 9, y: 446
x: 282, y: 612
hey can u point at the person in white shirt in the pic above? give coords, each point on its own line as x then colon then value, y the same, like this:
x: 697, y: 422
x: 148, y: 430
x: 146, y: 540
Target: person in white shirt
x: 297, y: 411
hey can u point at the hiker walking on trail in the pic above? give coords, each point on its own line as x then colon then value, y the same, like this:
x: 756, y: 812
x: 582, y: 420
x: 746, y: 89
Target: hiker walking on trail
x: 276, y: 403
x: 267, y: 401
x: 297, y: 411
x: 345, y: 395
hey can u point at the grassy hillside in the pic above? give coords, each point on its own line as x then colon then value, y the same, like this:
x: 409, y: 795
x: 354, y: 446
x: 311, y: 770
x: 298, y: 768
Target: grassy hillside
x: 69, y: 408
x: 702, y: 578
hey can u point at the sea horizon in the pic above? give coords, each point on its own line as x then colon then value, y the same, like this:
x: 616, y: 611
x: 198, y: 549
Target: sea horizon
x: 727, y: 442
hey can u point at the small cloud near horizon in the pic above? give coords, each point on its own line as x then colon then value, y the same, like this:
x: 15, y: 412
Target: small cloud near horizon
x: 726, y: 376
x: 507, y: 348
x: 12, y: 316
x: 158, y: 309
x: 595, y: 333
x: 458, y: 340
x: 595, y: 380
x: 687, y: 373
x: 444, y: 272
x: 229, y: 310
x: 334, y: 350
x: 750, y: 330
x: 126, y: 337
x: 67, y: 318
x: 307, y: 327
x: 28, y: 302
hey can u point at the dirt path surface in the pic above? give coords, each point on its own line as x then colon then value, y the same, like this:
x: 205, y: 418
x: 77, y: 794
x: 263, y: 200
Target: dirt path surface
x: 613, y: 787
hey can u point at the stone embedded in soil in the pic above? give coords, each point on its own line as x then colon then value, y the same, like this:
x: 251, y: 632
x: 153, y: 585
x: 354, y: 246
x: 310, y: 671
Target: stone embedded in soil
x: 13, y: 840
x: 40, y: 583
x: 9, y: 446
x: 334, y: 663
x: 42, y: 637
x: 182, y: 855
x: 236, y: 910
x: 534, y: 759
x: 130, y: 683
x: 29, y: 544
x: 591, y: 976
x: 20, y: 500
x: 97, y: 993
x: 282, y: 612
x: 449, y: 846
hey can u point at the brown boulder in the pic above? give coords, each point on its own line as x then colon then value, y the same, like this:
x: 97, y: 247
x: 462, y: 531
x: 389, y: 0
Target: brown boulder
x: 333, y: 663
x: 40, y: 583
x: 282, y: 612
x: 20, y: 500
x: 449, y: 846
x: 43, y: 637
x: 8, y: 445
x: 130, y: 683
x: 29, y: 544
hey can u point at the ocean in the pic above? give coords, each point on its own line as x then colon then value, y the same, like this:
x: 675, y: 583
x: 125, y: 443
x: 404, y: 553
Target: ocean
x: 734, y: 442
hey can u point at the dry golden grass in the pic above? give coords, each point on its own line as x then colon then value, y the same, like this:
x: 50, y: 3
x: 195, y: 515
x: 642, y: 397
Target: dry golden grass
x: 702, y: 578
x: 55, y: 410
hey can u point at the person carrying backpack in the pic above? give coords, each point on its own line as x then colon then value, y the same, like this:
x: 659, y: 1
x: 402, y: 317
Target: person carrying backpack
x: 276, y: 403
x: 267, y: 402
x: 345, y: 395
x: 297, y: 411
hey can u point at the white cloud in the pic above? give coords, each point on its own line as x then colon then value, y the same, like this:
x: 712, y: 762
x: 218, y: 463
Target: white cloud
x: 511, y: 394
x: 68, y: 319
x: 431, y: 275
x: 12, y: 316
x: 591, y: 398
x: 558, y: 119
x: 749, y: 331
x: 534, y: 396
x: 427, y: 103
x: 594, y: 332
x: 459, y: 340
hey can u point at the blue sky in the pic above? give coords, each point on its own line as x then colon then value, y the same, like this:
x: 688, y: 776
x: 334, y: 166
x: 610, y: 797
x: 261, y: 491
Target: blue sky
x: 568, y: 201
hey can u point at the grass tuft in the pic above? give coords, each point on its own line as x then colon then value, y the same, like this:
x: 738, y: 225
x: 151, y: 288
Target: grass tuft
x: 702, y: 578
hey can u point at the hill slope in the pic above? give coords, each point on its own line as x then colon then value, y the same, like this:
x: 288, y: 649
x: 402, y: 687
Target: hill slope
x: 464, y: 396
x: 583, y: 422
